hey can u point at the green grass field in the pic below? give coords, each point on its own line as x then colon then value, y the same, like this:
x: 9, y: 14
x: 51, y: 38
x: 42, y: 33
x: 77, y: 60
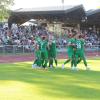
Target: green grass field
x: 18, y: 81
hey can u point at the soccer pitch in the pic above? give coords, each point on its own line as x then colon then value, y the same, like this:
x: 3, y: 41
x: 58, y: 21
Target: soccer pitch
x: 18, y: 81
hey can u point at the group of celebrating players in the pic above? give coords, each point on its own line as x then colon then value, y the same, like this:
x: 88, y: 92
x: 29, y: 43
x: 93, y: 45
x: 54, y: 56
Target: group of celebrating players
x: 46, y: 51
x: 75, y: 51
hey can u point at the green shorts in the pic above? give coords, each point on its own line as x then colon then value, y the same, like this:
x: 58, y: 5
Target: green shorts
x: 70, y: 54
x: 52, y: 54
x: 44, y: 55
x: 80, y: 54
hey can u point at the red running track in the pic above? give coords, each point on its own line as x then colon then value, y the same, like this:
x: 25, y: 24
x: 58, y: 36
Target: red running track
x: 30, y: 57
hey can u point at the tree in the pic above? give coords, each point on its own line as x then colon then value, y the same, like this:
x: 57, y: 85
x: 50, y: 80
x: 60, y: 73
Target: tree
x: 4, y: 8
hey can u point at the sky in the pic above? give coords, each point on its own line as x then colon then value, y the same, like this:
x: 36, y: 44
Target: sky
x: 88, y: 4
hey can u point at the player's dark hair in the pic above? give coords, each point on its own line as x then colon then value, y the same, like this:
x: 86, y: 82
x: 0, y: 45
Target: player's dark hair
x: 43, y: 37
x: 80, y: 36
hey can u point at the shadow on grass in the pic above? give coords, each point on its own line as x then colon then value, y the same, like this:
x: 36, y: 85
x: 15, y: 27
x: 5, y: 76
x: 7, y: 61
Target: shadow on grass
x: 57, y: 83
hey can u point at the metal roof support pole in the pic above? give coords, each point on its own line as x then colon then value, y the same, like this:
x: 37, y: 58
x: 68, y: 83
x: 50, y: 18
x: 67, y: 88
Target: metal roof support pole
x: 78, y: 28
x: 94, y: 28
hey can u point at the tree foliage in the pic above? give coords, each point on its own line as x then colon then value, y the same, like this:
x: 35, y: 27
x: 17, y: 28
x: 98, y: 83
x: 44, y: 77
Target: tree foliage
x: 4, y: 8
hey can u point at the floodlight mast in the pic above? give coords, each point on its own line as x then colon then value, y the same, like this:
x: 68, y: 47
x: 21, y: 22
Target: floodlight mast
x: 62, y: 1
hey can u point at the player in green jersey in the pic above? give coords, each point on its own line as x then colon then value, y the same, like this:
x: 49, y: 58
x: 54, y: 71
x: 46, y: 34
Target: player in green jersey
x: 38, y: 41
x: 52, y: 52
x: 80, y: 54
x: 44, y: 52
x: 74, y: 60
x: 71, y: 52
x: 37, y: 62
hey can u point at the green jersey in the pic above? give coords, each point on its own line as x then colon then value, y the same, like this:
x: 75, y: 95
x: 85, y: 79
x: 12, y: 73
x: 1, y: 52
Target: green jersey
x: 80, y: 48
x: 70, y: 48
x: 38, y: 40
x: 38, y: 54
x: 52, y: 49
x: 80, y: 45
x: 83, y: 43
x: 71, y: 41
x: 44, y: 44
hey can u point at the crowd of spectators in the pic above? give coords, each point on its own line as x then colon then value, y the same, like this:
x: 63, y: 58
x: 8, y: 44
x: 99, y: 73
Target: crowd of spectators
x: 92, y: 38
x: 24, y: 35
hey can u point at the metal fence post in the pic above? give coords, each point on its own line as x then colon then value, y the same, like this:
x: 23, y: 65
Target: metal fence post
x: 23, y: 49
x: 97, y: 50
x: 4, y: 51
x: 14, y: 48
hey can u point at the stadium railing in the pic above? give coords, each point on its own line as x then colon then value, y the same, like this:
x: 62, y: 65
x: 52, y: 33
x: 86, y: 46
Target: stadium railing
x: 24, y: 49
